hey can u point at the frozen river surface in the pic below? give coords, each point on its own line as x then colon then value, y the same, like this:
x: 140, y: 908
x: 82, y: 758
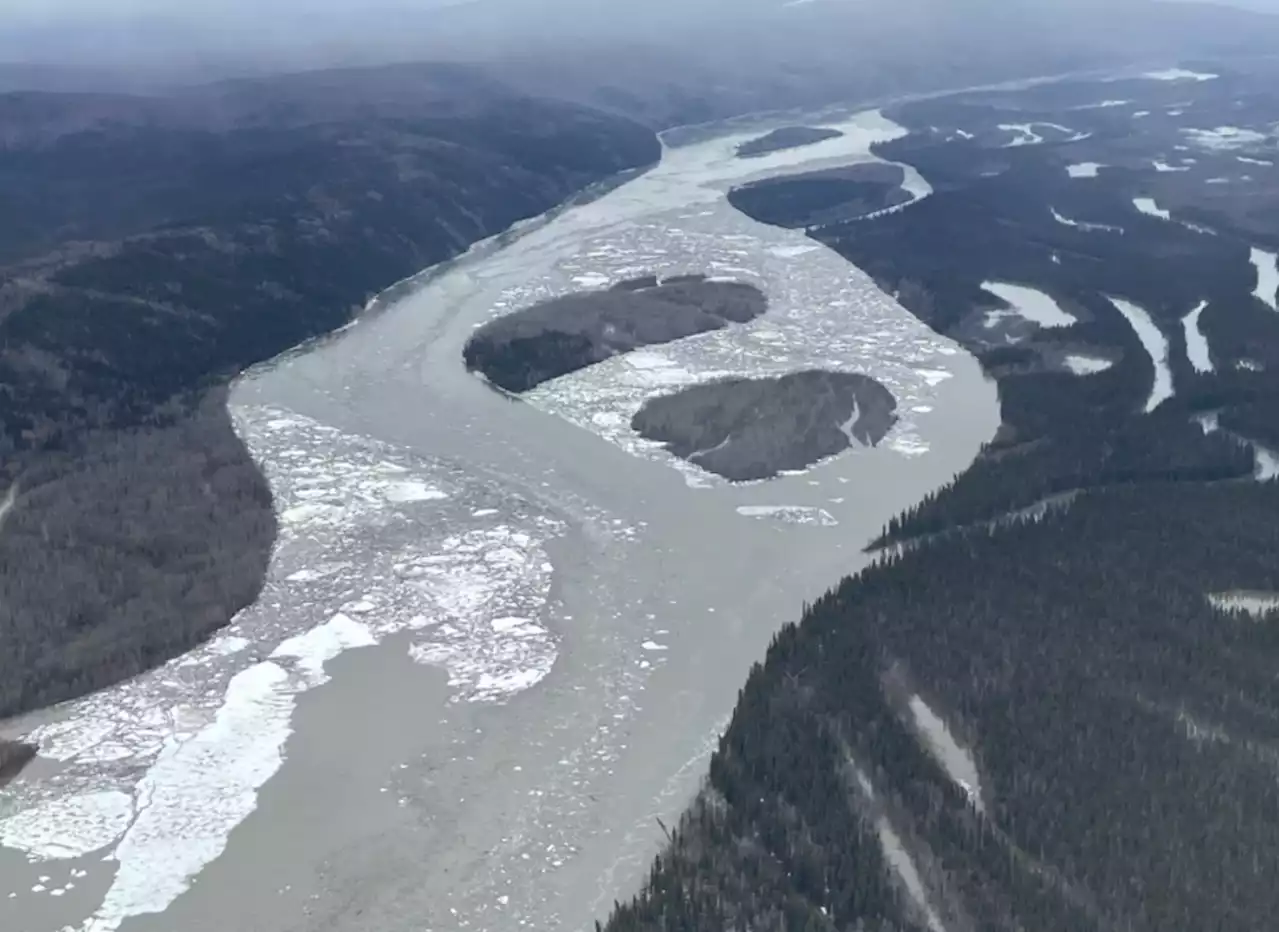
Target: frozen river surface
x: 498, y: 639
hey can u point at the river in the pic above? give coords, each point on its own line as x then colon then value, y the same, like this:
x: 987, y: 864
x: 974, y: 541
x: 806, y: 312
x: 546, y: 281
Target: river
x: 498, y: 639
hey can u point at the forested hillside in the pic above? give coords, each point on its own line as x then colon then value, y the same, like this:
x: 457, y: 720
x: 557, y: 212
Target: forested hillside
x: 1059, y: 605
x: 155, y: 246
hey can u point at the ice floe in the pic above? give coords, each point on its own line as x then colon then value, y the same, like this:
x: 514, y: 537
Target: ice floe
x: 162, y: 767
x: 789, y: 514
x: 1084, y: 169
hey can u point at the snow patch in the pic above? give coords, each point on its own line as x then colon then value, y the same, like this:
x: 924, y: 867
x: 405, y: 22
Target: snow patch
x: 1197, y: 345
x: 1086, y: 365
x: 1030, y: 303
x: 1156, y: 345
x: 1084, y: 169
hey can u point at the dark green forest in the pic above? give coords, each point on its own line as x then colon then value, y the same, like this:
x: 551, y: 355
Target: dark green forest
x: 164, y: 244
x: 1123, y: 727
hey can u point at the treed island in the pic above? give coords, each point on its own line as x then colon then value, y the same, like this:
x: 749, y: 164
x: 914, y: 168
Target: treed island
x: 1089, y: 609
x: 741, y: 429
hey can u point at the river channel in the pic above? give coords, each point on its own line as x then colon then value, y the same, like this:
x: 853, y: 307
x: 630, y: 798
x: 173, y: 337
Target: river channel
x: 499, y: 638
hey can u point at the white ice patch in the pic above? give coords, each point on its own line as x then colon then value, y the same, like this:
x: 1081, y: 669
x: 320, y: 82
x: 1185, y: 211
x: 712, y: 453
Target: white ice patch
x: 1268, y: 278
x: 1197, y: 345
x: 1178, y: 74
x: 70, y: 826
x: 1166, y: 167
x: 789, y: 514
x: 1249, y: 161
x: 166, y: 764
x: 1084, y: 169
x: 1156, y: 345
x: 1030, y: 303
x: 591, y: 280
x: 1146, y: 205
x: 1086, y: 365
x: 413, y: 492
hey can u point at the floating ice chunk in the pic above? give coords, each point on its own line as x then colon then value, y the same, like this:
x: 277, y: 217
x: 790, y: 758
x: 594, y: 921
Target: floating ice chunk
x: 70, y: 827
x: 195, y: 793
x: 789, y: 514
x: 1166, y: 167
x: 314, y: 648
x: 1084, y: 169
x: 484, y: 512
x: 413, y: 492
x: 653, y: 645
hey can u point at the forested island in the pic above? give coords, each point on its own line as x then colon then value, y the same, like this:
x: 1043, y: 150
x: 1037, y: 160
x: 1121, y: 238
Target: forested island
x: 159, y: 245
x: 785, y: 137
x: 821, y: 197
x: 746, y: 429
x: 1059, y: 605
x: 520, y: 350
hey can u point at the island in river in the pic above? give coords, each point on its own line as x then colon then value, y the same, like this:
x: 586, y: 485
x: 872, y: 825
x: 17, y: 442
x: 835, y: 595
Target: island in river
x: 746, y: 429
x: 785, y: 137
x: 564, y: 334
x: 817, y: 198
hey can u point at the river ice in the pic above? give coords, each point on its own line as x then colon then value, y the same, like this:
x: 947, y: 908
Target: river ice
x: 162, y: 767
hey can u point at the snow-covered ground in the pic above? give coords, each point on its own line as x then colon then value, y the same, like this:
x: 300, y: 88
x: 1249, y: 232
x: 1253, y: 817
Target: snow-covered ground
x: 955, y: 759
x: 1252, y: 603
x: 1157, y: 347
x: 1268, y: 276
x: 1197, y: 345
x: 158, y: 770
x: 1083, y: 225
x: 1178, y: 74
x: 1146, y: 205
x: 1086, y: 365
x: 1224, y: 137
x: 1031, y: 303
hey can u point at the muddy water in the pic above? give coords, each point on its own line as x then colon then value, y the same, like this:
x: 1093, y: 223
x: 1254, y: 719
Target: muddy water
x: 400, y: 803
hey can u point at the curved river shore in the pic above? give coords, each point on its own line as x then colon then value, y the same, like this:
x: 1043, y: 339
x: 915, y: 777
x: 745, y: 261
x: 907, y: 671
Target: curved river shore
x: 498, y: 639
